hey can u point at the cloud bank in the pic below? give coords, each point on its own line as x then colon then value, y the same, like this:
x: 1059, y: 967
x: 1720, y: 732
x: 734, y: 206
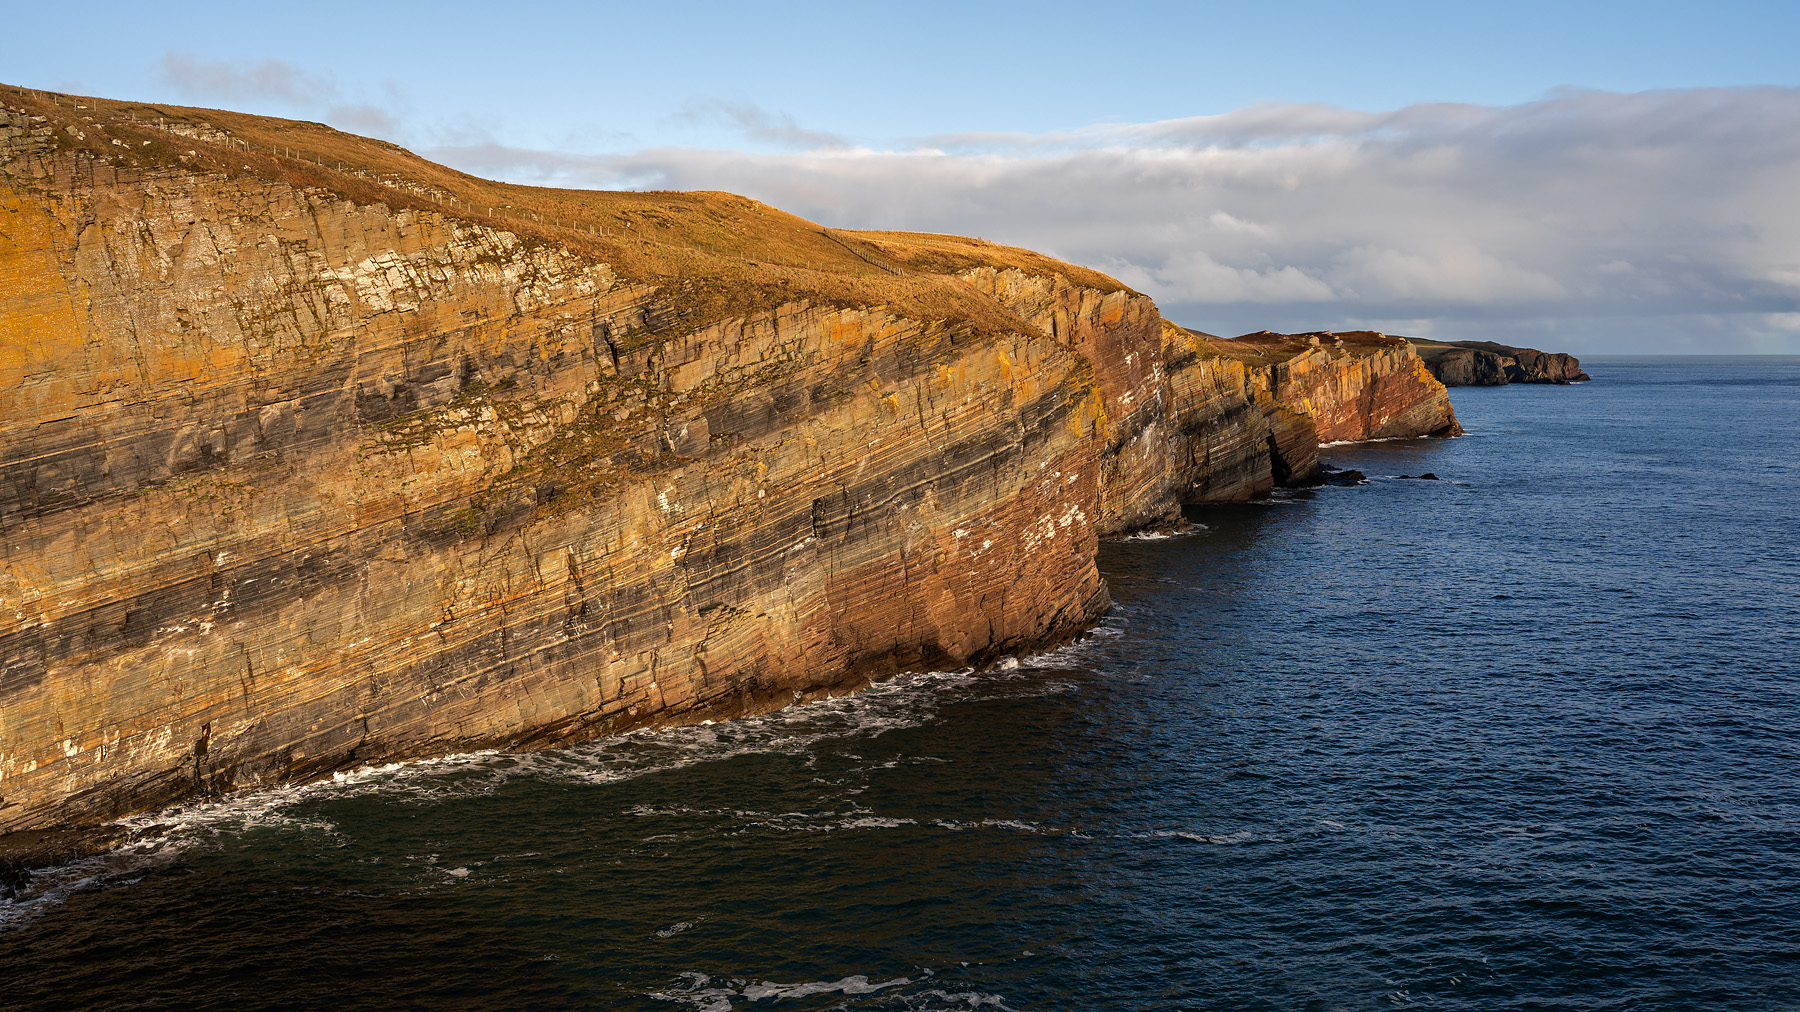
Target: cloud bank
x: 281, y: 82
x: 1657, y: 221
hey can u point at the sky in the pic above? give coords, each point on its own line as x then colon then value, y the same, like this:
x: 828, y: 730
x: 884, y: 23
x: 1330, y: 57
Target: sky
x: 1590, y: 177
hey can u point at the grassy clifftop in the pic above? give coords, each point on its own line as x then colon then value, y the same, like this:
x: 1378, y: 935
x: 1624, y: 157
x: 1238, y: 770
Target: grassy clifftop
x: 719, y: 255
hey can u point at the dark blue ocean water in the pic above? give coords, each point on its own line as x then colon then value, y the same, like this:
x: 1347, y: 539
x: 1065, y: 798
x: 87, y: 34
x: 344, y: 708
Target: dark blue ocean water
x: 1524, y: 738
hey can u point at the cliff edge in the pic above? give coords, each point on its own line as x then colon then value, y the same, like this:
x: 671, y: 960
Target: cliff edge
x: 314, y: 454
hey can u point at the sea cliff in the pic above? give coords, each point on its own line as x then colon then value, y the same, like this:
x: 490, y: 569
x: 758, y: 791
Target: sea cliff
x: 314, y: 454
x: 1486, y: 364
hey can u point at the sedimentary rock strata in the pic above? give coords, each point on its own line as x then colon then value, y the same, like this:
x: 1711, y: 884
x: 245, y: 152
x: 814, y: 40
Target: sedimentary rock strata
x: 298, y: 473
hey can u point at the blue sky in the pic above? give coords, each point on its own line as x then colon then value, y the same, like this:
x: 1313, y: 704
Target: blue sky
x: 1608, y: 177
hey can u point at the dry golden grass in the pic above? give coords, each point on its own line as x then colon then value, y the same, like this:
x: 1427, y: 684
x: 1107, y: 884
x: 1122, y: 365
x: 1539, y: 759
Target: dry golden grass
x: 1265, y: 347
x: 1432, y: 351
x: 719, y: 255
x: 957, y: 254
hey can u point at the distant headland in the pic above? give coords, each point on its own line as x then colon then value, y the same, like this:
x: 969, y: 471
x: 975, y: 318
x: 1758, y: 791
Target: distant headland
x: 1486, y: 364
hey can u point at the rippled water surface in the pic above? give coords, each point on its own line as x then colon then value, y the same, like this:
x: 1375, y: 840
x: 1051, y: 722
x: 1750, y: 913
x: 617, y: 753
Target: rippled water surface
x: 1521, y: 738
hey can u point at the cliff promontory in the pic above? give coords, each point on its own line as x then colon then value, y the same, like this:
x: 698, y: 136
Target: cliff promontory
x: 315, y: 454
x: 1486, y: 364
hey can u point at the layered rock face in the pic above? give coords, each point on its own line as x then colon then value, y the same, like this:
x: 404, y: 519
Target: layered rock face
x: 1233, y: 440
x: 1119, y: 334
x: 291, y: 483
x: 1195, y: 418
x: 1484, y: 363
x: 1246, y: 415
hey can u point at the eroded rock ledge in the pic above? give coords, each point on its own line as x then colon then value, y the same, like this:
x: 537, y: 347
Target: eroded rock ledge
x: 292, y: 480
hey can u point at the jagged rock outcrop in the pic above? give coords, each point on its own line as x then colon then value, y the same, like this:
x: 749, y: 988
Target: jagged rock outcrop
x: 292, y: 480
x: 1486, y: 364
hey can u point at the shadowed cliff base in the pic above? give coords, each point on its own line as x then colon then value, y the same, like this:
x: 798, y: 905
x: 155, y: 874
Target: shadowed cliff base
x: 314, y: 454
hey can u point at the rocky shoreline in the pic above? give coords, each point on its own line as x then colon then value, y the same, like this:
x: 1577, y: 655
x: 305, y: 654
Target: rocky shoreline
x: 299, y: 473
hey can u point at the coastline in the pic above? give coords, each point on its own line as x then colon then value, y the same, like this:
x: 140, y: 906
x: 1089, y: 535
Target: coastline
x: 440, y: 484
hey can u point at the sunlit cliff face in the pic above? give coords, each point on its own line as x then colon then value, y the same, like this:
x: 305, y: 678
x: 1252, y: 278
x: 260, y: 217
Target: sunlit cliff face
x: 295, y: 479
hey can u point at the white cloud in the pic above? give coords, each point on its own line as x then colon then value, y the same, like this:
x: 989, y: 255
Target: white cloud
x: 288, y: 86
x: 758, y: 124
x: 1640, y: 214
x: 1452, y: 272
x: 270, y: 79
x: 1197, y: 275
x: 1231, y: 225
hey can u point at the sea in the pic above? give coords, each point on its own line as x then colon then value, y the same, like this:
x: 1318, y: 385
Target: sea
x: 1522, y: 736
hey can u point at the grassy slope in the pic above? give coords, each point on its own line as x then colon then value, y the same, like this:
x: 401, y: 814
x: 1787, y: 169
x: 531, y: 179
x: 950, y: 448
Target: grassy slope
x: 720, y: 255
x: 1432, y: 351
x: 1264, y: 347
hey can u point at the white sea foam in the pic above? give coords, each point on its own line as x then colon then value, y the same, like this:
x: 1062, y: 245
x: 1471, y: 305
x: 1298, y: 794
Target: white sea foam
x: 1156, y: 535
x: 1009, y: 825
x: 967, y: 999
x: 157, y: 838
x: 719, y: 998
x: 1361, y: 442
x: 1241, y: 836
x: 733, y: 821
x: 855, y: 984
x: 49, y: 887
x: 712, y: 994
x: 874, y: 822
x: 1023, y: 827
